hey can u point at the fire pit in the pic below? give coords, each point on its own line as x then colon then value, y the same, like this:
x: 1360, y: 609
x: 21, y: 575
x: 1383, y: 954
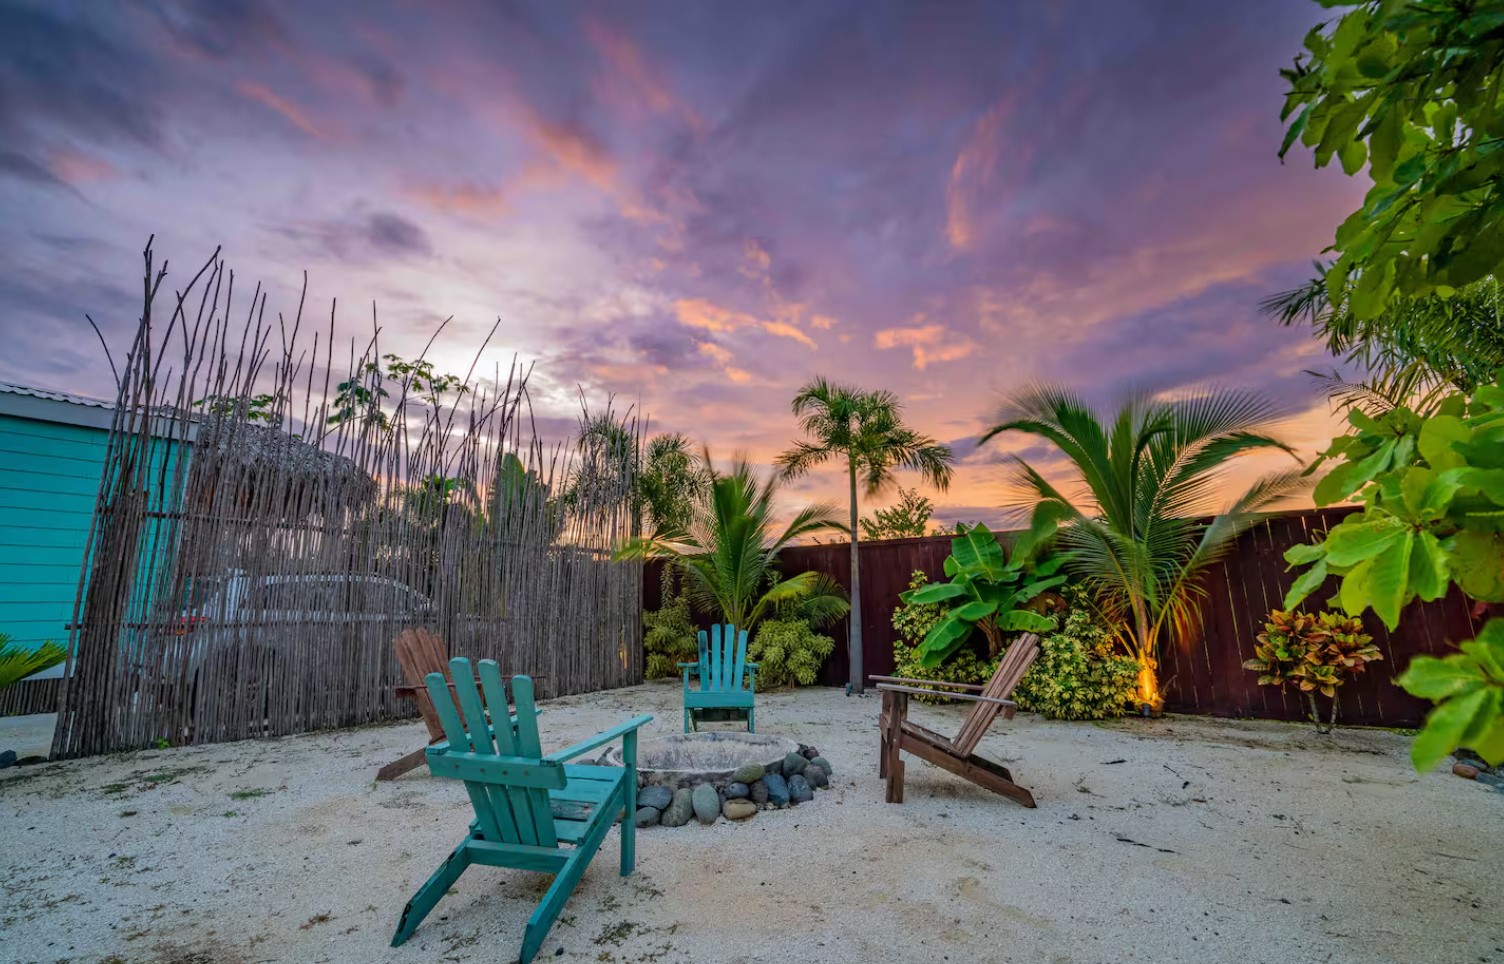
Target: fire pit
x: 709, y: 775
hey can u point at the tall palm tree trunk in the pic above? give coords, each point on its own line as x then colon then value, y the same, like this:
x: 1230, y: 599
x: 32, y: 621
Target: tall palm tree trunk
x: 855, y: 643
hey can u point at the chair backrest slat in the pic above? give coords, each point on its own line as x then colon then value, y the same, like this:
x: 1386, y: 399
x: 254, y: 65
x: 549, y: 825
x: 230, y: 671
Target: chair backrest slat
x: 420, y: 652
x: 506, y: 743
x: 739, y: 654
x: 723, y: 659
x: 535, y: 806
x: 506, y: 813
x: 1010, y: 671
x: 715, y: 657
x: 470, y: 705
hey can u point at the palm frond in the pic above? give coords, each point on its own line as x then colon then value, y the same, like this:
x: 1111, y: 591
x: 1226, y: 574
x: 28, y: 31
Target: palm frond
x: 18, y: 662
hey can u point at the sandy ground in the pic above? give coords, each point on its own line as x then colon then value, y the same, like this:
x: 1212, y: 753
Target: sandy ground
x: 27, y: 735
x: 1171, y: 840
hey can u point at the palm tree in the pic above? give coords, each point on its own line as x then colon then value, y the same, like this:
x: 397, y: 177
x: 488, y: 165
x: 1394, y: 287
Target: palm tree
x: 866, y: 429
x: 727, y: 555
x: 1415, y: 352
x: 1147, y: 479
x: 673, y: 478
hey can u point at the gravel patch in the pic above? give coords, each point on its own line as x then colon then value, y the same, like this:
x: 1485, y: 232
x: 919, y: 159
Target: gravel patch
x: 1155, y: 840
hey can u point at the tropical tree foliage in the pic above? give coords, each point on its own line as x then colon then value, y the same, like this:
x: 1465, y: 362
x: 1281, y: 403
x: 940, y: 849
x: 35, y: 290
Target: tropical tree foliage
x: 1414, y: 352
x: 672, y: 480
x: 867, y: 432
x: 727, y: 556
x: 1135, y: 534
x: 1412, y: 92
x: 986, y: 592
x: 658, y: 481
x: 607, y: 461
x: 907, y: 518
x: 1432, y: 493
x: 364, y: 395
x: 668, y: 636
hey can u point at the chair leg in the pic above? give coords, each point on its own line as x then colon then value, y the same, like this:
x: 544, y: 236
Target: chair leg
x: 398, y: 767
x: 629, y: 807
x: 751, y: 719
x: 429, y: 894
x: 897, y: 714
x: 542, y: 920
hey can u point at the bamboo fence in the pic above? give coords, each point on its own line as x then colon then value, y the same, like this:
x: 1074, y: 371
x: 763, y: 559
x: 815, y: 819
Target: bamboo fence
x: 268, y: 521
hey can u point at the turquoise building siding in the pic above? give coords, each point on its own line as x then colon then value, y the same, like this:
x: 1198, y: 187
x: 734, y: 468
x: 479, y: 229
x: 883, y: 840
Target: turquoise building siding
x: 52, y: 451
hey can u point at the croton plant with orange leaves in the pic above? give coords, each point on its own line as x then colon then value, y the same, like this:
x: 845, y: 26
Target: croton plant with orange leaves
x: 1315, y: 652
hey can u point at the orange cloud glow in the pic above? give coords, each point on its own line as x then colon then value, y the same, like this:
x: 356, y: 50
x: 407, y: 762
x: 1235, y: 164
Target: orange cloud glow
x: 930, y: 343
x: 709, y: 316
x: 289, y: 111
x: 972, y: 174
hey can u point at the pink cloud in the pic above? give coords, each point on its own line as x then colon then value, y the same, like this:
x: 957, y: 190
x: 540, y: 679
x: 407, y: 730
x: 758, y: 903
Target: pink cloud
x: 75, y: 167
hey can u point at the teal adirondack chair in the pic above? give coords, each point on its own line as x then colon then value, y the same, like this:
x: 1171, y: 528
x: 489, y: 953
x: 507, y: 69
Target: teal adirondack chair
x: 526, y: 804
x: 727, y: 680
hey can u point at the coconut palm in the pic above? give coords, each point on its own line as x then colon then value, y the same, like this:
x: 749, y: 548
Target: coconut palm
x: 727, y: 555
x: 1147, y: 479
x: 866, y: 430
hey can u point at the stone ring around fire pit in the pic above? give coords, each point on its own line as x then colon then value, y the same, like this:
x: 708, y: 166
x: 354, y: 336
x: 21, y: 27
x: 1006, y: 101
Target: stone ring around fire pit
x: 709, y: 775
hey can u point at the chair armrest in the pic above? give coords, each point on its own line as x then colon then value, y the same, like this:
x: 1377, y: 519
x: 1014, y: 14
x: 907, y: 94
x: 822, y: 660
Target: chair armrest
x: 753, y: 665
x: 925, y: 682
x: 600, y: 739
x: 689, y: 665
x: 973, y: 697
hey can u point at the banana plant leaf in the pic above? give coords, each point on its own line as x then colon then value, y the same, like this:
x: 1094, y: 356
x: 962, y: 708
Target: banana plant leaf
x: 984, y: 587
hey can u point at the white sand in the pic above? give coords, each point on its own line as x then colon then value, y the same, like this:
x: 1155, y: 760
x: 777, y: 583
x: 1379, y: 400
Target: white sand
x: 1211, y: 841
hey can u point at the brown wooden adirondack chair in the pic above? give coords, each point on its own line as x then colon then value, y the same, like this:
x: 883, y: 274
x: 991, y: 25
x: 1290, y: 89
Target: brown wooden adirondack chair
x: 898, y: 734
x: 420, y: 652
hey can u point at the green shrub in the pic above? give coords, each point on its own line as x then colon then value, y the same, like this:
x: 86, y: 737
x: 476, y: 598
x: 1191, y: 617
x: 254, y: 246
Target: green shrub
x: 1079, y: 674
x: 913, y: 621
x: 788, y: 653
x: 670, y: 635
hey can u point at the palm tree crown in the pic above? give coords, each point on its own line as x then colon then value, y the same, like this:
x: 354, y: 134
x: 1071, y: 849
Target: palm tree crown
x: 1145, y: 477
x: 865, y: 429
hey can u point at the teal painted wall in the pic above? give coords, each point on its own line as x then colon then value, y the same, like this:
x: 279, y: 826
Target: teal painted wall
x: 49, y: 477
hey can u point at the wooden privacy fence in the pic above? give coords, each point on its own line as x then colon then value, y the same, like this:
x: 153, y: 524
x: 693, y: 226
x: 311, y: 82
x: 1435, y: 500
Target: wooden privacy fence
x: 267, y: 525
x: 1205, y: 672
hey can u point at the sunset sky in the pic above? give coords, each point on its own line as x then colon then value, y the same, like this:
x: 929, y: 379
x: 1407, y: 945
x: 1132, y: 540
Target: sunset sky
x: 696, y: 206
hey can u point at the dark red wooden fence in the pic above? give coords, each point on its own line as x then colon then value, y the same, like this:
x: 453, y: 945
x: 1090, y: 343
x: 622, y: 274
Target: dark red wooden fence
x: 1206, y: 672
